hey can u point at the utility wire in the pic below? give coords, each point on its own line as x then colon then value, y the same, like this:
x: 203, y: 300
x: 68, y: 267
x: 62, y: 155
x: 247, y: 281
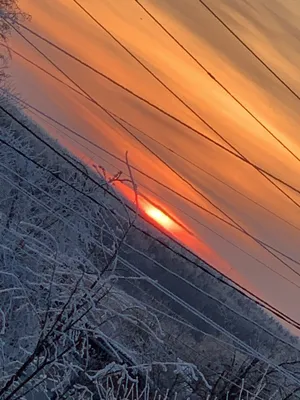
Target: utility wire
x: 160, y: 110
x: 271, y: 252
x: 213, y: 324
x: 213, y: 77
x: 139, y: 131
x: 173, y: 170
x: 249, y: 49
x: 182, y: 101
x: 181, y: 321
x: 38, y: 115
x: 269, y: 249
x: 196, y: 220
x: 168, y: 313
x: 131, y: 248
x: 202, y: 208
x: 255, y: 298
x: 162, y: 288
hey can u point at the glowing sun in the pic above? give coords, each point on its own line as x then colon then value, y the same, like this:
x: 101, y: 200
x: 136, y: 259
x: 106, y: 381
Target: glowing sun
x: 159, y: 216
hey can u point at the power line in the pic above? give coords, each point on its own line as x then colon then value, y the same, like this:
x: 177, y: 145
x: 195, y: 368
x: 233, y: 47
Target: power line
x: 186, y: 105
x: 124, y: 127
x: 184, y: 323
x: 179, y: 319
x: 155, y: 309
x: 210, y: 322
x: 203, y: 208
x: 131, y: 133
x: 64, y: 182
x: 179, y: 300
x: 250, y: 50
x: 272, y: 253
x: 146, y: 175
x: 143, y: 133
x: 234, y: 224
x: 245, y: 108
x: 239, y: 288
x: 158, y: 264
x: 37, y: 114
x: 160, y: 110
x: 160, y: 287
x: 181, y: 100
x: 129, y: 281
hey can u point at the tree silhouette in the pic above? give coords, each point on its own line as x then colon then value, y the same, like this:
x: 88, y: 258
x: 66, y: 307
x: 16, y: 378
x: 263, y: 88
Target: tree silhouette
x: 10, y: 15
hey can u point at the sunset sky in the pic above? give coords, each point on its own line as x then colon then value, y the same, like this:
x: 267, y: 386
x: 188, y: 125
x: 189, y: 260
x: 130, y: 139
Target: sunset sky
x: 272, y: 32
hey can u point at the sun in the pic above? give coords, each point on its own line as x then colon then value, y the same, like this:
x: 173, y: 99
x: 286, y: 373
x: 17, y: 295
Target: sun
x: 159, y: 216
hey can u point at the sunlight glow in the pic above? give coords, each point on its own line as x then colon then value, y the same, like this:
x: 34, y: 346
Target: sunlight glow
x: 159, y: 216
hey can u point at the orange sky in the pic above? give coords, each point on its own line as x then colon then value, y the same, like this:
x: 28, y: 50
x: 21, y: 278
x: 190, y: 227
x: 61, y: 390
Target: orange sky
x: 272, y: 33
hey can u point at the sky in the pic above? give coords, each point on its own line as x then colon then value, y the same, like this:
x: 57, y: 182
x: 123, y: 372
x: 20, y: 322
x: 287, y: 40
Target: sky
x: 272, y: 32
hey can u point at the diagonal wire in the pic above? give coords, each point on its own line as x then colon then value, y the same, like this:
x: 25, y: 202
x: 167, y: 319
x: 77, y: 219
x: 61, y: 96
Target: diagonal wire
x: 139, y: 131
x: 213, y: 77
x: 164, y: 112
x: 214, y: 14
x: 101, y: 206
x: 269, y: 249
